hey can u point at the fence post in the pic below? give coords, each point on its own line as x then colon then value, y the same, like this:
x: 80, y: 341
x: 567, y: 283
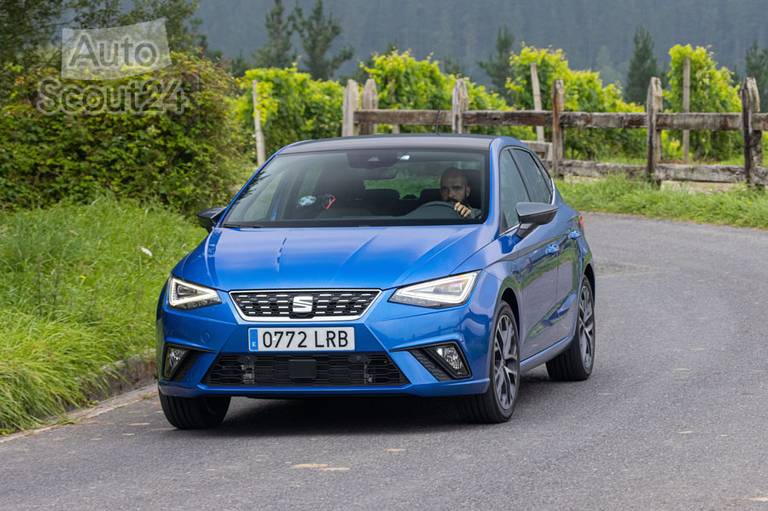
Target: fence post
x: 753, y: 140
x: 370, y: 102
x: 536, y: 89
x: 348, y: 109
x: 258, y: 134
x: 652, y: 108
x: 686, y: 105
x: 558, y: 137
x: 459, y: 104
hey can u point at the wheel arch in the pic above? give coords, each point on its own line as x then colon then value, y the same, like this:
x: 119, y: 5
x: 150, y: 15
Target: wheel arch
x: 589, y: 272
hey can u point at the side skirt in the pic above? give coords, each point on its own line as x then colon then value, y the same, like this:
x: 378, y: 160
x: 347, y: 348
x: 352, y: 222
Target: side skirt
x: 545, y: 355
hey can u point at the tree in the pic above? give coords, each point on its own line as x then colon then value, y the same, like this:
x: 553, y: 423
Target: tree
x: 26, y: 25
x: 757, y: 67
x: 453, y: 66
x: 317, y: 33
x: 180, y: 27
x: 278, y: 51
x: 498, y: 67
x: 642, y: 67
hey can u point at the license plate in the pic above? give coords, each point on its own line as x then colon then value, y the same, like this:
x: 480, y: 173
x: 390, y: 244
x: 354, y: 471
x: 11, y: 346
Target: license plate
x: 301, y: 339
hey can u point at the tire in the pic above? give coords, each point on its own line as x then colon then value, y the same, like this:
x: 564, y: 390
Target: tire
x: 498, y: 402
x: 578, y: 360
x: 194, y: 412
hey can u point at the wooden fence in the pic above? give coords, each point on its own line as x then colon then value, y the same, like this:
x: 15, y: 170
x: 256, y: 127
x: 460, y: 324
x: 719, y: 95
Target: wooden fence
x: 361, y: 117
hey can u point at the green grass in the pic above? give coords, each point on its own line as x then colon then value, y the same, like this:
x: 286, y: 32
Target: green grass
x: 77, y: 292
x: 739, y: 207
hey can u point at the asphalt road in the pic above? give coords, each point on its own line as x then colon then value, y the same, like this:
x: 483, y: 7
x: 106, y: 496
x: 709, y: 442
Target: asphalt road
x: 674, y: 417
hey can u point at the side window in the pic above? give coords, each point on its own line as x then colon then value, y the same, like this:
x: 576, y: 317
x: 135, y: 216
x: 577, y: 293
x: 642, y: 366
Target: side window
x: 538, y: 187
x: 511, y: 187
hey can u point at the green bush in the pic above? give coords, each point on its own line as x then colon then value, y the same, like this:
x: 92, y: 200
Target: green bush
x: 80, y: 285
x: 585, y: 92
x: 293, y: 106
x: 404, y: 82
x: 189, y: 158
x: 712, y: 90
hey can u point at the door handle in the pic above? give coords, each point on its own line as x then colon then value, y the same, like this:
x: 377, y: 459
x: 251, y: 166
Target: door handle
x: 554, y: 248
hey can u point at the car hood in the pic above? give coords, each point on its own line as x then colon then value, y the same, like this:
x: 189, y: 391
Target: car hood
x: 360, y: 257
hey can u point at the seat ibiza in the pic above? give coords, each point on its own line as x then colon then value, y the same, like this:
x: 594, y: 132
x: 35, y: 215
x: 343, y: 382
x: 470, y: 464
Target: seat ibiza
x: 385, y: 265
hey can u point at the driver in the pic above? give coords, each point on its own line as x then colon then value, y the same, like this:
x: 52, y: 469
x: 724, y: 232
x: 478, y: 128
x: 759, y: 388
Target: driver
x: 454, y: 188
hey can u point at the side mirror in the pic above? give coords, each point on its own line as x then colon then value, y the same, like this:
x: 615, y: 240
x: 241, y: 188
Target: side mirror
x: 532, y: 214
x: 208, y: 218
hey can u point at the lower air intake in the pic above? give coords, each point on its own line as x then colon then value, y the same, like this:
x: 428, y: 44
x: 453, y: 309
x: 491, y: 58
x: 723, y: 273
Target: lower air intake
x: 337, y: 370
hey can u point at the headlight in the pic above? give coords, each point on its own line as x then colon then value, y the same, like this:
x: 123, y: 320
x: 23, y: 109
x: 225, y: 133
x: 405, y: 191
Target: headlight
x: 444, y: 292
x: 185, y: 295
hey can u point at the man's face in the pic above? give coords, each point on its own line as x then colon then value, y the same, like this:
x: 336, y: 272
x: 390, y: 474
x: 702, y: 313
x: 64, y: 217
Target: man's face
x: 454, y: 188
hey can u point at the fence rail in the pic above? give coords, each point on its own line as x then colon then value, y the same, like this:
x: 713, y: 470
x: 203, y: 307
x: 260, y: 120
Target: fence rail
x: 749, y: 121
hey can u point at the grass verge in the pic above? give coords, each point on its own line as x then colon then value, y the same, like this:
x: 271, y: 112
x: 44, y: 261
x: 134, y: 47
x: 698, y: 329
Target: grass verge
x: 79, y: 288
x: 739, y: 207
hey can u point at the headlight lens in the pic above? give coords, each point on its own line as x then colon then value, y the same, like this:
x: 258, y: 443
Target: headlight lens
x: 185, y: 295
x: 445, y: 292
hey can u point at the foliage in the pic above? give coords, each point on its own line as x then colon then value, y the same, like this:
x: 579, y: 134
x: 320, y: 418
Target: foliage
x: 642, y: 67
x: 187, y: 159
x: 757, y: 66
x: 293, y: 106
x: 497, y: 67
x: 739, y: 207
x: 584, y: 91
x: 79, y: 291
x: 317, y: 33
x: 712, y: 90
x: 404, y: 82
x: 278, y: 51
x: 180, y: 25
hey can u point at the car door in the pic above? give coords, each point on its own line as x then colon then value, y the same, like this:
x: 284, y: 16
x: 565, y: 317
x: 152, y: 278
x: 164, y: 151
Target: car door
x: 530, y: 261
x: 559, y: 246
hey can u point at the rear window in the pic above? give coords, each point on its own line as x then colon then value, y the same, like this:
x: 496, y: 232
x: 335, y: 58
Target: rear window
x: 366, y: 187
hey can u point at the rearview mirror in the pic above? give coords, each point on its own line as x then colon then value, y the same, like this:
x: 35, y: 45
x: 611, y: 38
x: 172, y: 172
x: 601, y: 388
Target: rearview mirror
x: 208, y: 218
x: 532, y: 214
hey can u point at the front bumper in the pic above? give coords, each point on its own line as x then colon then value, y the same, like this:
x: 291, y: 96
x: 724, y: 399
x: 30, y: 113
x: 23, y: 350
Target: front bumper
x: 388, y: 328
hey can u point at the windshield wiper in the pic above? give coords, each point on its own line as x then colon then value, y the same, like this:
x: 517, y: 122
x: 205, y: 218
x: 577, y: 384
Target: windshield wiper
x: 243, y: 224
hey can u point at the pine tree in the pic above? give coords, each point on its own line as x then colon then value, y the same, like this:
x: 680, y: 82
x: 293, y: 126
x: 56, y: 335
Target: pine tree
x: 497, y: 67
x: 278, y: 51
x: 757, y: 67
x: 317, y: 33
x: 642, y: 67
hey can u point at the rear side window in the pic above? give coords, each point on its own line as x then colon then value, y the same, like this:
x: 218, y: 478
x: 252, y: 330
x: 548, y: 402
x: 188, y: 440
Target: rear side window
x: 512, y: 189
x: 538, y: 186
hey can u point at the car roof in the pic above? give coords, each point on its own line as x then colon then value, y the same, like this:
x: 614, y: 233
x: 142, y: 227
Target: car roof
x: 394, y: 141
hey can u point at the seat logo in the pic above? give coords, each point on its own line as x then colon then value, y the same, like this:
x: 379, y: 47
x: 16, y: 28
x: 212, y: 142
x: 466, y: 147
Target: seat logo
x: 302, y: 304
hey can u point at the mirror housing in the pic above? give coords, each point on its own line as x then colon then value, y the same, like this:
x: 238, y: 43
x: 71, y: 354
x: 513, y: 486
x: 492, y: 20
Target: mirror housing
x: 532, y: 214
x: 208, y: 217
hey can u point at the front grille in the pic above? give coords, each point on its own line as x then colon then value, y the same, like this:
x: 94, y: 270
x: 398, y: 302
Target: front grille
x: 355, y: 369
x: 325, y: 304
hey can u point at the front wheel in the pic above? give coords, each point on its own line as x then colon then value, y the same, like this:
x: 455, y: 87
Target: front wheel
x: 577, y: 361
x: 498, y: 402
x: 194, y: 412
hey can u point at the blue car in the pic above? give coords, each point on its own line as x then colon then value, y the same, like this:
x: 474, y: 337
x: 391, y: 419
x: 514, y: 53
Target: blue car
x: 431, y: 265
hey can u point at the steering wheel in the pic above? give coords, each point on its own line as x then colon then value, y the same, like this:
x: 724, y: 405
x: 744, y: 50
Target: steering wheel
x: 437, y: 206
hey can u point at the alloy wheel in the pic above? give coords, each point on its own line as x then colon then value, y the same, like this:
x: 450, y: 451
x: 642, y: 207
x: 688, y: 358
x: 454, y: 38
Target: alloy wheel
x: 586, y: 326
x: 506, y: 362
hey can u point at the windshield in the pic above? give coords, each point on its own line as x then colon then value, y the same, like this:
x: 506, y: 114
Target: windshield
x: 366, y: 187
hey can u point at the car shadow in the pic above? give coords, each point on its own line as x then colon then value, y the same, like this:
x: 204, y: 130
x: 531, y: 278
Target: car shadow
x: 359, y: 415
